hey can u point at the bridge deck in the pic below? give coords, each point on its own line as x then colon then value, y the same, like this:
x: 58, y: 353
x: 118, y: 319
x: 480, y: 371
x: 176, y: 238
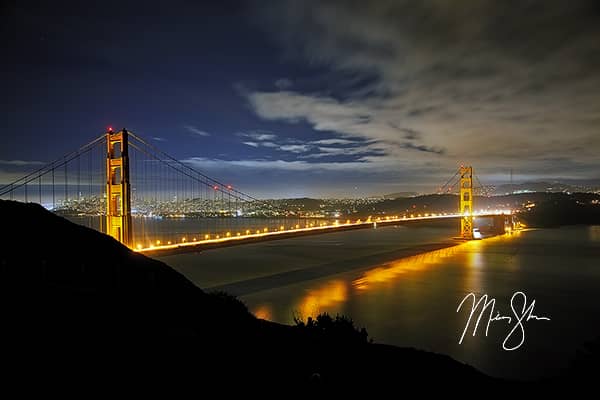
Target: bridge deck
x: 191, y: 246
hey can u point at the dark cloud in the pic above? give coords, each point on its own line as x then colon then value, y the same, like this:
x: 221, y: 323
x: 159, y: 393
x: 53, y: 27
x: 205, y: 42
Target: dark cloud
x: 410, y: 134
x: 411, y: 146
x: 420, y: 111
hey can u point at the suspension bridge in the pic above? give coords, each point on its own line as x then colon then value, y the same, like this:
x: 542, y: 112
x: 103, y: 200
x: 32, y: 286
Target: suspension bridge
x: 122, y: 185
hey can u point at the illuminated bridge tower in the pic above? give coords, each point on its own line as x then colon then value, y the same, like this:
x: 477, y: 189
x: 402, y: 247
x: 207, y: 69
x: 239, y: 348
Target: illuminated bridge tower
x: 466, y: 202
x: 118, y: 190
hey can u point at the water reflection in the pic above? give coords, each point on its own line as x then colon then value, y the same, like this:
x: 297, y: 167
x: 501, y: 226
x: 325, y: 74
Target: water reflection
x: 263, y: 312
x: 475, y: 258
x: 321, y: 298
x: 391, y: 271
x: 412, y: 301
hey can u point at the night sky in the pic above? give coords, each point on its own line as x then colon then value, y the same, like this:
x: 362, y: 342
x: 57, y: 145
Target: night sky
x: 311, y: 98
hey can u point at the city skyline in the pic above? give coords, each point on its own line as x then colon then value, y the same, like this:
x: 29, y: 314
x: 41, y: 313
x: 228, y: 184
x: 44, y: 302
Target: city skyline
x: 313, y: 99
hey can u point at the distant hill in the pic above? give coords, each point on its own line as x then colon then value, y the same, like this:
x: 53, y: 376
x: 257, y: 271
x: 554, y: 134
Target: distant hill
x: 545, y: 187
x: 400, y: 195
x: 80, y: 307
x: 449, y: 203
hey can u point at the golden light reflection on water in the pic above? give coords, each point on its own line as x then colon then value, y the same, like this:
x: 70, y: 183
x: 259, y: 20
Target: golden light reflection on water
x: 327, y: 295
x: 475, y: 255
x: 322, y: 297
x: 392, y: 271
x: 264, y: 312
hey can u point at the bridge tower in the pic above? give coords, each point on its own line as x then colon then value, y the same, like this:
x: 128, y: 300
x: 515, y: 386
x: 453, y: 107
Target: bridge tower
x: 466, y: 202
x: 118, y: 190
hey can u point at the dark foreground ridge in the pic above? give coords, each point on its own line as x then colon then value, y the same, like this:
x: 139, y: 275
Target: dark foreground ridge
x: 80, y: 307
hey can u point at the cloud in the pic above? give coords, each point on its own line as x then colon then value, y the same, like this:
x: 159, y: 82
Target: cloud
x: 374, y: 151
x: 202, y: 163
x: 159, y: 139
x: 21, y: 163
x: 195, y: 130
x: 360, y: 123
x: 283, y: 83
x: 492, y: 83
x: 333, y: 141
x: 258, y: 135
x: 295, y: 148
x: 298, y: 146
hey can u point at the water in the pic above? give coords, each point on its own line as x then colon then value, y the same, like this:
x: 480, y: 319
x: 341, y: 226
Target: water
x: 147, y: 231
x: 412, y: 300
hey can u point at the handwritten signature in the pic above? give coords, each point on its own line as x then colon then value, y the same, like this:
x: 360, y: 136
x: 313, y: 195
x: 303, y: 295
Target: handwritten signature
x: 522, y: 314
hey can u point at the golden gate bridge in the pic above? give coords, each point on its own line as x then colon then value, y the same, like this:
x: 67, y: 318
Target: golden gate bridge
x: 119, y: 183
